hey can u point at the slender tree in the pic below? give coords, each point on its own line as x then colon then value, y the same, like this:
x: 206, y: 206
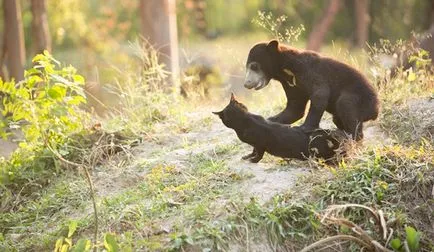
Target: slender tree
x: 13, y: 53
x: 40, y: 33
x: 362, y: 21
x: 199, y: 14
x: 431, y: 14
x: 316, y: 37
x: 158, y: 23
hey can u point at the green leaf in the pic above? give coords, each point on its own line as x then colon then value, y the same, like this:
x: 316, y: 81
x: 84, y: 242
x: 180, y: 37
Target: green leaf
x: 58, y: 246
x: 76, y: 100
x: 64, y: 248
x: 411, y: 76
x: 50, y: 57
x: 57, y: 92
x: 60, y: 79
x: 32, y: 80
x: 72, y: 227
x: 413, y: 238
x: 396, y: 244
x: 110, y: 243
x: 78, y: 79
x: 30, y: 72
x: 68, y: 241
x: 38, y: 57
x: 23, y: 93
x: 40, y: 95
x: 82, y: 245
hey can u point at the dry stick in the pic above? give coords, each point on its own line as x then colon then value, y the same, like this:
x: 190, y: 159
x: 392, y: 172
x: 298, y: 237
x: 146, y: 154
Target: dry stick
x: 379, y: 247
x: 92, y: 193
x: 383, y: 224
x: 334, y: 238
x: 89, y: 180
x: 355, y: 228
x: 378, y: 216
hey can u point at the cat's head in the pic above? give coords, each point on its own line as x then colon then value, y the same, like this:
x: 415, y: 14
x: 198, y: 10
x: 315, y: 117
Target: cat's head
x: 233, y: 114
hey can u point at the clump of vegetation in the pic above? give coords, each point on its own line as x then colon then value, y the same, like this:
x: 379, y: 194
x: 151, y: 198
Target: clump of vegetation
x: 396, y: 179
x: 406, y: 95
x: 46, y: 107
x: 199, y: 80
x: 277, y: 27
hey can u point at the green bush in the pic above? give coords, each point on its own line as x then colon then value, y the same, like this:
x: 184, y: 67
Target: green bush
x: 45, y: 106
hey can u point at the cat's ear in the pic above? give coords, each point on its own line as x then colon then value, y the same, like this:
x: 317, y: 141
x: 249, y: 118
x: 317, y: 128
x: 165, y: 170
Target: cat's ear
x: 218, y: 113
x: 233, y: 97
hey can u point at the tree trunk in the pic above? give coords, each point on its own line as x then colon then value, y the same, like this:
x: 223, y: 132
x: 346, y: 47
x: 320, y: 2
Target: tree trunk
x: 14, y: 39
x: 432, y: 14
x: 362, y: 22
x: 199, y: 15
x: 158, y: 23
x: 40, y: 32
x: 2, y: 57
x: 316, y: 37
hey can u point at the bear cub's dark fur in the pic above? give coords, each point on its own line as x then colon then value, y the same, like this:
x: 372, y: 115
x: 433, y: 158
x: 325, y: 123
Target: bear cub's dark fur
x: 278, y: 139
x: 330, y: 86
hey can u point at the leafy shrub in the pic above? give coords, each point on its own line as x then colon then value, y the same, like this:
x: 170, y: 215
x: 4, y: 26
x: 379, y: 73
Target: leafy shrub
x: 46, y: 107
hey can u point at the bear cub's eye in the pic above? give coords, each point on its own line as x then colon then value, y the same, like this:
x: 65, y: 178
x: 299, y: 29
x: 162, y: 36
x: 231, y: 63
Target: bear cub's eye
x: 254, y: 67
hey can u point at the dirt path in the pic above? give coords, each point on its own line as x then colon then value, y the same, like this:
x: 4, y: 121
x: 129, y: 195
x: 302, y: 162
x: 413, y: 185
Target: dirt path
x: 264, y: 179
x: 208, y: 136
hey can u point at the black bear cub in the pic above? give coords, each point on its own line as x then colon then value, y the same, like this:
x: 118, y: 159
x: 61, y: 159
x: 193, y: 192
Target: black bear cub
x: 278, y: 139
x: 330, y: 86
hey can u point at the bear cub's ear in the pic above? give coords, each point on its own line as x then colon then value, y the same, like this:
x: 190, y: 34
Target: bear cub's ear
x: 273, y: 45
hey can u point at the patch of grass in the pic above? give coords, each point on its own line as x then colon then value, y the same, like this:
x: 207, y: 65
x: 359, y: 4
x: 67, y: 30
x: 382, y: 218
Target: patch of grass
x: 170, y: 205
x: 36, y: 223
x: 409, y: 124
x: 227, y: 149
x: 396, y: 179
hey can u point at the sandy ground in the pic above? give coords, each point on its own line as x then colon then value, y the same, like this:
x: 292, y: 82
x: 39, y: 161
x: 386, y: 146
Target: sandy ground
x: 264, y: 179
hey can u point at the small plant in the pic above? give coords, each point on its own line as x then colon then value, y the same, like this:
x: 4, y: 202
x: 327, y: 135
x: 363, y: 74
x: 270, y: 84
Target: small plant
x: 46, y: 106
x: 275, y: 26
x: 64, y: 244
x: 46, y: 103
x: 411, y: 243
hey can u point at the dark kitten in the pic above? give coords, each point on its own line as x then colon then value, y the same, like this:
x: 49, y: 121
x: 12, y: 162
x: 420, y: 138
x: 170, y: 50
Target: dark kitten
x: 278, y: 139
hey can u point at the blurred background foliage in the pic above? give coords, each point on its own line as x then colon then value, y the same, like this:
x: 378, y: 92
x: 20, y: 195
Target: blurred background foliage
x: 96, y: 23
x: 95, y: 35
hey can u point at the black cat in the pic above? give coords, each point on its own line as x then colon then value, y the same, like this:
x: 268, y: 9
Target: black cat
x: 278, y: 139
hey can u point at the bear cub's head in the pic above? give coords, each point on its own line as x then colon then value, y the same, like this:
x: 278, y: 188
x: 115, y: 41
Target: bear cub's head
x: 261, y: 64
x: 233, y: 114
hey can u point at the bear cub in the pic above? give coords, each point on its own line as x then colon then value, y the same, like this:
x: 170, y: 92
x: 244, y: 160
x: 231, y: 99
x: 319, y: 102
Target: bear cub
x: 330, y: 86
x: 278, y: 139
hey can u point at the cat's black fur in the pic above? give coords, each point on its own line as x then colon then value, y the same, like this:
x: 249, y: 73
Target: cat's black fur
x: 278, y: 139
